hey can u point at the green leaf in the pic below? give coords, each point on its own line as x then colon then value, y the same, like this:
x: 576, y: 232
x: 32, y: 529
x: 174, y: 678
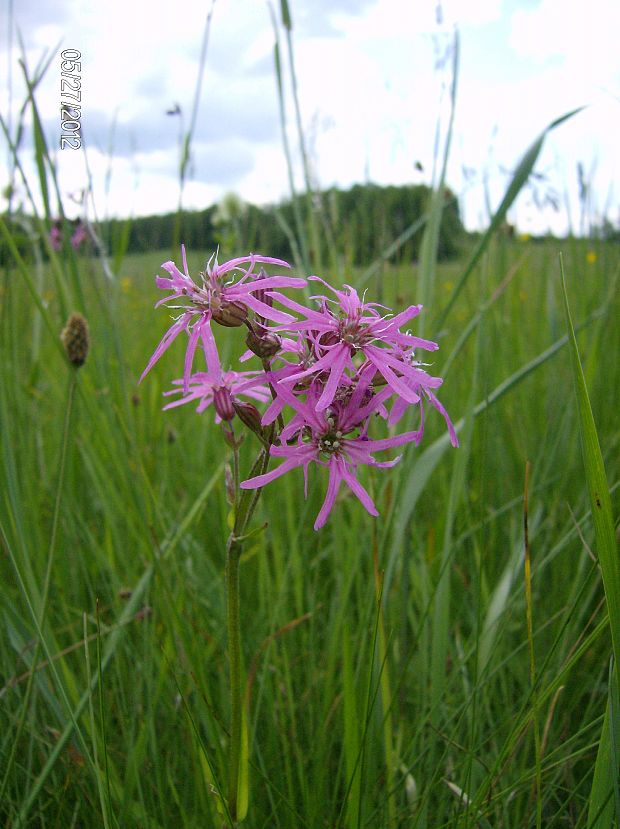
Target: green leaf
x: 598, y: 490
x: 605, y: 784
x: 604, y: 794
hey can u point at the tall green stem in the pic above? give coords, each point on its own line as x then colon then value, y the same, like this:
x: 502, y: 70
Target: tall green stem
x: 233, y: 554
x: 245, y: 504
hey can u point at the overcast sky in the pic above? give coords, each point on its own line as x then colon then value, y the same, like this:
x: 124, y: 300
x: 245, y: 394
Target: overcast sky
x: 373, y: 77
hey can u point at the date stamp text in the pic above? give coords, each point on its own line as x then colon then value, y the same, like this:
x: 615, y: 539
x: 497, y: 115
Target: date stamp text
x: 70, y: 99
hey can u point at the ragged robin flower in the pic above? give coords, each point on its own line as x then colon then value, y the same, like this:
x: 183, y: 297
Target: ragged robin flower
x: 225, y: 301
x: 335, y: 438
x: 346, y: 329
x: 222, y: 389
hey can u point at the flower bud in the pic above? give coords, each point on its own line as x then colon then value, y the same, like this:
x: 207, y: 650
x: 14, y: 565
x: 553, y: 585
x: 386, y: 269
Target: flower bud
x: 223, y: 402
x: 231, y: 314
x: 250, y: 417
x: 76, y: 339
x: 263, y: 345
x: 263, y: 295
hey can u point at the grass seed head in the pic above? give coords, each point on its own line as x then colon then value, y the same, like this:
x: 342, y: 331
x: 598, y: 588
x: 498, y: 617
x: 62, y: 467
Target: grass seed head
x: 76, y: 339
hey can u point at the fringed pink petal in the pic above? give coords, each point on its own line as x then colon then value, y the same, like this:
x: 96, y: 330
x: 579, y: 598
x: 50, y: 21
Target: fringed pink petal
x: 165, y: 342
x: 335, y: 477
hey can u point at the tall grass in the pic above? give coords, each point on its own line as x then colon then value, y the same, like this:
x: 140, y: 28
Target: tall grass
x: 389, y: 662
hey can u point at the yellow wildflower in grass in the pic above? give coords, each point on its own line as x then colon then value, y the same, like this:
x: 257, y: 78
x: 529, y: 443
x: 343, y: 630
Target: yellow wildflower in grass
x: 591, y: 257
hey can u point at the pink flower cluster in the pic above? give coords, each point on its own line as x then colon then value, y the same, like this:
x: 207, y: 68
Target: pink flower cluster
x: 330, y: 370
x: 78, y: 237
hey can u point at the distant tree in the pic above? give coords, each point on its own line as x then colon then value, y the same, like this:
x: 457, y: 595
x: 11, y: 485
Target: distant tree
x: 359, y: 222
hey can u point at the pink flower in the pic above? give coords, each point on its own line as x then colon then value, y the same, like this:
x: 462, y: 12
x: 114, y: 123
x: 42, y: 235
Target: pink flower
x: 326, y: 374
x: 356, y: 327
x: 221, y: 391
x: 228, y: 303
x: 337, y: 439
x: 422, y: 385
x: 399, y: 407
x: 79, y: 235
x: 55, y: 238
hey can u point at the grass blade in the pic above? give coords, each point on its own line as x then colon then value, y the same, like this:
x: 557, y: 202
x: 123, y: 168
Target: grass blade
x: 602, y: 803
x: 604, y: 793
x: 598, y: 490
x: 430, y: 240
x: 522, y: 173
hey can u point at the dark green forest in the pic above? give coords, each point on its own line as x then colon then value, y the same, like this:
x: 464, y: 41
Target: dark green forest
x: 360, y: 222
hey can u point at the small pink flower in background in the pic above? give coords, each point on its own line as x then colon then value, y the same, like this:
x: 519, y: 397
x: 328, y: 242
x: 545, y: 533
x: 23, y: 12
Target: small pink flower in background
x: 225, y: 302
x: 79, y: 236
x: 55, y: 238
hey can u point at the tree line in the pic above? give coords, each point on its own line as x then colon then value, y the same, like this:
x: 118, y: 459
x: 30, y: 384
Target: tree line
x: 359, y: 223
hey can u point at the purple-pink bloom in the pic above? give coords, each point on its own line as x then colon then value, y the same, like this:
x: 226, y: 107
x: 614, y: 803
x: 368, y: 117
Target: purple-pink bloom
x: 221, y: 391
x: 399, y: 406
x: 79, y: 236
x: 55, y: 238
x: 336, y: 438
x: 421, y: 384
x: 355, y: 327
x: 346, y: 361
x: 226, y: 302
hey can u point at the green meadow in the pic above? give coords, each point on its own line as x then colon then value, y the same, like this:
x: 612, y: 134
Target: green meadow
x: 451, y: 663
x: 392, y: 677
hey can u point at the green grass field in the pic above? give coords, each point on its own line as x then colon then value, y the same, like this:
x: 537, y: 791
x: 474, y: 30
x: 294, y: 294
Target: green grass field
x: 390, y: 675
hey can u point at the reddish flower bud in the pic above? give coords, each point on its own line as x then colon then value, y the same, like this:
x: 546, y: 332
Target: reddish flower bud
x: 263, y: 345
x: 250, y: 417
x: 230, y: 314
x: 223, y: 402
x: 263, y: 295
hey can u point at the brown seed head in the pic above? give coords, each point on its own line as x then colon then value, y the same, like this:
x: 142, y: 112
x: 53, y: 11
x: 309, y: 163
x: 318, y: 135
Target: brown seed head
x: 76, y: 339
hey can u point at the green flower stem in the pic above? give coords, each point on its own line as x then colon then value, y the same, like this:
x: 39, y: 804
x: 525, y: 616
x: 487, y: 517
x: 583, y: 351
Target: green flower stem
x: 233, y: 554
x: 245, y: 504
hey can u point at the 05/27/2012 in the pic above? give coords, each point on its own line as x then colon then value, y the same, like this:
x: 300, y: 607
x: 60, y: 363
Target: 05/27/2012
x: 70, y: 99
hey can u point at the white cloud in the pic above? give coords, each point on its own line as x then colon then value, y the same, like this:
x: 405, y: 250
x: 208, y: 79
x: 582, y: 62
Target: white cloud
x: 584, y: 37
x: 372, y: 82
